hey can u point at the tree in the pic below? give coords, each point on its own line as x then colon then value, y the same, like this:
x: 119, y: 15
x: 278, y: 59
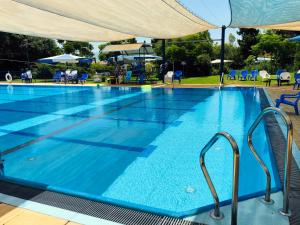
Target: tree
x: 78, y: 48
x: 277, y: 47
x: 249, y: 38
x: 231, y: 39
x: 24, y: 48
x: 196, y: 50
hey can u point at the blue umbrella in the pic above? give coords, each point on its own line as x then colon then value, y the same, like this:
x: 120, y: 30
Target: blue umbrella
x: 297, y: 38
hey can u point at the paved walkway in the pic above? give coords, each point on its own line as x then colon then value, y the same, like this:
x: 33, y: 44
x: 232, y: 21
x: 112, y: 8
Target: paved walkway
x: 11, y: 215
x: 275, y: 92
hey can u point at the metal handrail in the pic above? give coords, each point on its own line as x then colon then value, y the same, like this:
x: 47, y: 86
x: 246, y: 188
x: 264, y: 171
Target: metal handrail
x: 288, y: 158
x: 216, y: 214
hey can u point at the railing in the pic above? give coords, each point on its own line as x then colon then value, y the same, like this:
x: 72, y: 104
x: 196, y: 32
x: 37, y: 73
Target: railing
x: 216, y: 214
x: 288, y: 159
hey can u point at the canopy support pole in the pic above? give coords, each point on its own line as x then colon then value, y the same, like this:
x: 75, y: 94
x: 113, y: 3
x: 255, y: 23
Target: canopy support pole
x: 222, y: 55
x: 163, y: 53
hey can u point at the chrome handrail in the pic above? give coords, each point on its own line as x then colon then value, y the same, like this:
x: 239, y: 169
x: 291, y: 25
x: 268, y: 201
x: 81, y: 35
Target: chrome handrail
x: 288, y: 158
x: 216, y: 214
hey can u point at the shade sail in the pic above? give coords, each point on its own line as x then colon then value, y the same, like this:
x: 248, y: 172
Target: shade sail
x: 99, y: 20
x: 266, y: 14
x: 22, y: 19
x: 218, y: 61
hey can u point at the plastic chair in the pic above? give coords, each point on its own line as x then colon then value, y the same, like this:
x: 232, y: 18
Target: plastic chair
x: 83, y: 78
x: 254, y: 74
x: 169, y: 76
x: 57, y: 76
x: 177, y: 76
x: 128, y: 76
x: 244, y: 75
x: 282, y: 100
x: 231, y: 75
x: 284, y: 77
x: 297, y: 80
x: 142, y: 78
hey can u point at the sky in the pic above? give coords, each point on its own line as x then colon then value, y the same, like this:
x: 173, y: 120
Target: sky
x: 216, y: 12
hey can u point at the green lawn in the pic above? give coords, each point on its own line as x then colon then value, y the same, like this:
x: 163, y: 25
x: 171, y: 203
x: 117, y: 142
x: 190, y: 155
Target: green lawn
x: 206, y: 80
x: 215, y: 79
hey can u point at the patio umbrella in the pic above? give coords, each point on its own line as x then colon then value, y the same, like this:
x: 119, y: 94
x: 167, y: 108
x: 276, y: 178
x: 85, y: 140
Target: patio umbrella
x: 65, y: 58
x: 218, y: 61
x: 296, y: 39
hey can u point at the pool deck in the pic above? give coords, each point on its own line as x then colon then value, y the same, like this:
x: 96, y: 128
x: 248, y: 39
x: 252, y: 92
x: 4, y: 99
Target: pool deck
x: 12, y: 215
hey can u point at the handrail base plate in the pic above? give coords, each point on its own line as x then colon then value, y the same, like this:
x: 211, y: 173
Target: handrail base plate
x: 212, y: 215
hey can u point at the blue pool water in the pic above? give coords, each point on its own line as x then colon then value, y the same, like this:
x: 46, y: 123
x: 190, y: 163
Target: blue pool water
x: 132, y: 146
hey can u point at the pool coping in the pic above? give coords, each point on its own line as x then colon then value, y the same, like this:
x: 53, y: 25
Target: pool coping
x: 295, y: 148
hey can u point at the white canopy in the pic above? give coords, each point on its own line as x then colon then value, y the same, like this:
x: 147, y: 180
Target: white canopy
x: 218, y: 61
x: 99, y: 20
x: 64, y: 58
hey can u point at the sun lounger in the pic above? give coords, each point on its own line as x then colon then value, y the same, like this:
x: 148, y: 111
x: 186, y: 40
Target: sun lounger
x: 231, y: 75
x: 283, y: 100
x: 244, y: 75
x: 297, y: 80
x: 253, y: 75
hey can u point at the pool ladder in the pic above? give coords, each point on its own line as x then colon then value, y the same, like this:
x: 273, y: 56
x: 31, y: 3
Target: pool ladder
x: 216, y: 213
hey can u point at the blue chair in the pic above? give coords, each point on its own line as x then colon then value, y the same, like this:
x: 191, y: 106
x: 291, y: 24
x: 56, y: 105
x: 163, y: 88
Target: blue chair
x: 254, y: 74
x: 279, y: 71
x: 128, y: 76
x: 83, y: 78
x: 24, y: 77
x: 57, y: 76
x: 244, y: 75
x: 177, y: 75
x: 142, y: 78
x: 282, y: 100
x: 297, y: 80
x: 231, y: 75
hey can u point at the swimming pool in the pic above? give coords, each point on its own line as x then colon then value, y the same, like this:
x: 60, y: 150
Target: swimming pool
x: 134, y: 147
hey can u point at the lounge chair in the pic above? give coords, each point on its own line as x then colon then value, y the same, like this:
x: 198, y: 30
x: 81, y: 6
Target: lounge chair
x: 24, y: 77
x: 265, y: 77
x: 177, y: 76
x: 253, y: 75
x: 244, y: 75
x: 282, y: 100
x: 83, y: 78
x: 142, y: 78
x: 297, y: 80
x: 284, y: 77
x: 57, y: 76
x: 128, y: 77
x: 231, y: 75
x: 169, y: 76
x: 72, y: 77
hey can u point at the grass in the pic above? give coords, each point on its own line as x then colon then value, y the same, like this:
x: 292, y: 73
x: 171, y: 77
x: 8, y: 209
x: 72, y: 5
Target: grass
x: 206, y: 80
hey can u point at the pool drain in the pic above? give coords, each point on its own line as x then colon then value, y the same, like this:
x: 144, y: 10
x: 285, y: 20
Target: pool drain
x: 190, y: 189
x: 31, y: 159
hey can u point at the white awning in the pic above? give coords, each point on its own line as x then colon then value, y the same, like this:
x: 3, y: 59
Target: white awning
x: 99, y: 20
